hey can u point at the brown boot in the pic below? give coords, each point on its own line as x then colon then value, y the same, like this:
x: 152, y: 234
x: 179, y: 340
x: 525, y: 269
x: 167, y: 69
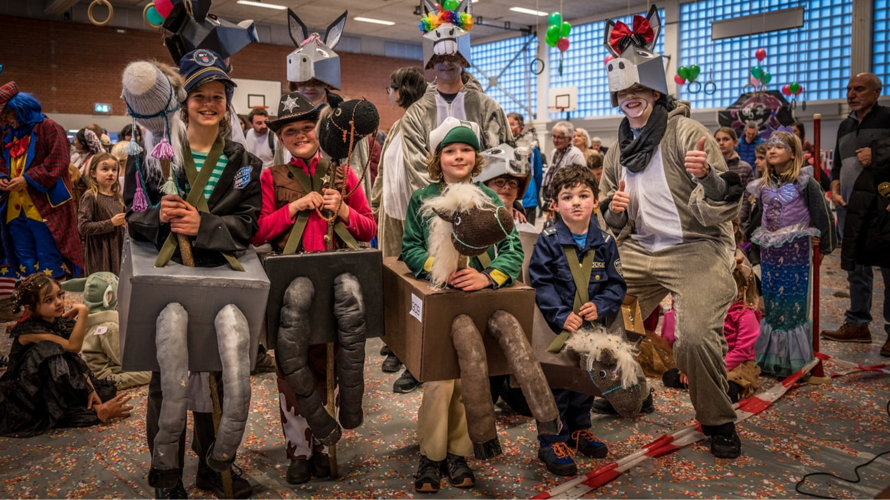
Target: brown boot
x: 849, y: 333
x: 885, y: 349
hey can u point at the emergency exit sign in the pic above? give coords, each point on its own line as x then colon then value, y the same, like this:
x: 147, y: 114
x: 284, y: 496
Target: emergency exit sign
x: 102, y: 109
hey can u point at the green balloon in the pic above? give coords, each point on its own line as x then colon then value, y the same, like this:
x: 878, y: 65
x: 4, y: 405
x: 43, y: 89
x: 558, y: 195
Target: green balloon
x: 757, y: 72
x: 693, y: 72
x: 449, y: 4
x: 766, y: 78
x: 794, y: 87
x: 565, y: 30
x: 683, y: 72
x: 555, y: 19
x: 154, y: 17
x: 552, y: 35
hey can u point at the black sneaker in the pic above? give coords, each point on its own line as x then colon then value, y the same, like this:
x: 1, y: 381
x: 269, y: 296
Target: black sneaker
x: 298, y: 472
x: 602, y: 406
x: 391, y: 364
x: 557, y: 457
x: 385, y: 350
x: 405, y: 383
x: 177, y: 491
x: 320, y: 463
x: 210, y: 480
x: 585, y: 442
x: 428, y: 478
x: 458, y: 472
x: 726, y: 446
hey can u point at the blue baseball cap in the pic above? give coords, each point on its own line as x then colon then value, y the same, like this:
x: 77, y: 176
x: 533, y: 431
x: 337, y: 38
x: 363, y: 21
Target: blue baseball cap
x: 202, y: 66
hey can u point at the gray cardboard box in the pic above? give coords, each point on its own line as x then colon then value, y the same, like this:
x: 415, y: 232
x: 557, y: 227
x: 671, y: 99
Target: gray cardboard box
x: 322, y: 268
x: 145, y: 290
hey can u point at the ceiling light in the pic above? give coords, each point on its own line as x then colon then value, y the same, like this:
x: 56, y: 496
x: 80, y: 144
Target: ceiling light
x: 375, y: 21
x: 528, y: 11
x: 261, y: 4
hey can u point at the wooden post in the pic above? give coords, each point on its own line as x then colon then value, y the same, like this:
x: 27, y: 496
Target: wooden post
x: 817, y: 172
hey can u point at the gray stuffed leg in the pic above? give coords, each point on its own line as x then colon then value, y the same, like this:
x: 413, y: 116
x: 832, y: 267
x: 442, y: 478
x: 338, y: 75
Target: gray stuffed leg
x: 476, y: 391
x: 233, y: 340
x: 527, y: 370
x: 350, y: 313
x: 293, y: 358
x: 171, y: 339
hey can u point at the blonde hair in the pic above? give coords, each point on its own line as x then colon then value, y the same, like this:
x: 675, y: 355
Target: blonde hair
x: 434, y: 166
x: 586, y: 137
x: 94, y: 184
x: 792, y: 173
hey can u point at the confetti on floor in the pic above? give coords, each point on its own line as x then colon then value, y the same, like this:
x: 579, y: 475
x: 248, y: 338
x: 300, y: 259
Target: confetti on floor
x: 814, y: 428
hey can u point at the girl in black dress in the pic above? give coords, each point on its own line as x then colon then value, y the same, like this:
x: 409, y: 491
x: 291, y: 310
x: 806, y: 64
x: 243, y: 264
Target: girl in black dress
x: 47, y: 384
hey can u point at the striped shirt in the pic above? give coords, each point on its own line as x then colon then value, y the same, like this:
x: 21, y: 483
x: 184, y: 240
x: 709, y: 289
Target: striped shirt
x: 215, y: 175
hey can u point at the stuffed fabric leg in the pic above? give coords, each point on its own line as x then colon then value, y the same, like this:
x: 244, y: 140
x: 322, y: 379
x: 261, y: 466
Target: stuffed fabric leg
x: 350, y: 312
x: 233, y: 339
x: 476, y: 390
x: 173, y: 357
x: 293, y: 349
x: 504, y: 327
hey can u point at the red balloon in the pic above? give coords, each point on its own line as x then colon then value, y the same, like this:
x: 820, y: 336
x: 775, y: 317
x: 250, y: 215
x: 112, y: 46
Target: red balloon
x: 164, y: 7
x: 679, y: 79
x: 760, y: 54
x: 799, y: 90
x: 786, y: 89
x: 609, y: 58
x: 563, y: 44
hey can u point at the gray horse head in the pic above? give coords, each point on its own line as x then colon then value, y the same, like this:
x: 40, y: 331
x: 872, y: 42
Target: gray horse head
x: 610, y: 361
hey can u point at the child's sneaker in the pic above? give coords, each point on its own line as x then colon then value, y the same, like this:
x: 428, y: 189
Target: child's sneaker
x: 428, y: 478
x: 558, y: 459
x: 459, y: 473
x: 585, y: 442
x: 726, y: 446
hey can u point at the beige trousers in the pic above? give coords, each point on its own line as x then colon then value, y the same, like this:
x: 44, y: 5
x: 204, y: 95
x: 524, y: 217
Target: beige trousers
x: 442, y: 421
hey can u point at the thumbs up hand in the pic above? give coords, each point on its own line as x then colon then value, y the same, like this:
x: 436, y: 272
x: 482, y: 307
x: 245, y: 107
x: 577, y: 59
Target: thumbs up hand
x: 621, y: 200
x: 697, y: 161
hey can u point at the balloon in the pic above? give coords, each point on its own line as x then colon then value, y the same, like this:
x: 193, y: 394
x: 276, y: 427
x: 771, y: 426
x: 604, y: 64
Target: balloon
x: 608, y: 58
x: 799, y: 89
x: 757, y: 72
x: 794, y: 88
x: 552, y: 35
x: 786, y: 89
x: 683, y: 72
x: 164, y: 7
x: 563, y: 44
x: 449, y: 4
x: 679, y: 79
x: 753, y: 81
x: 693, y: 72
x: 766, y: 78
x: 565, y: 29
x: 760, y: 54
x: 153, y: 16
x: 555, y: 19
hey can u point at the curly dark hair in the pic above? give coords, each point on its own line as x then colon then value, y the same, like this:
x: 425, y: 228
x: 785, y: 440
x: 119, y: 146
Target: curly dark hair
x: 29, y: 290
x: 573, y: 175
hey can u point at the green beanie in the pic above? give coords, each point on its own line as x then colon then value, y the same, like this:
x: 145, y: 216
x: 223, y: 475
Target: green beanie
x: 460, y: 134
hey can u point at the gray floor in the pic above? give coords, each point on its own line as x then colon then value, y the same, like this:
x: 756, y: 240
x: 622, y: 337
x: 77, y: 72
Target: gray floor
x: 814, y: 428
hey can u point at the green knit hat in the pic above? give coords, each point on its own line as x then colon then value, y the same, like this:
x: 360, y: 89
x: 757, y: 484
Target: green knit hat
x: 460, y: 134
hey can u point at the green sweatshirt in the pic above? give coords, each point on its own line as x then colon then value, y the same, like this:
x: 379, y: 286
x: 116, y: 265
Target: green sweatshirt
x: 506, y: 257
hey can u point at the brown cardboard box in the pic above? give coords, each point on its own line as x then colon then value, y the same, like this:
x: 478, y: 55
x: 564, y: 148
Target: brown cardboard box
x: 418, y: 321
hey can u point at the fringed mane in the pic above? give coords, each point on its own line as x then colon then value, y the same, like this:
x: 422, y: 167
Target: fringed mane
x: 440, y: 210
x: 595, y: 341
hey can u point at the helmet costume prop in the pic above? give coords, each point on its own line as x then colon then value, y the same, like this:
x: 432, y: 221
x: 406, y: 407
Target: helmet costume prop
x: 635, y: 61
x: 506, y: 160
x: 314, y: 57
x: 445, y: 31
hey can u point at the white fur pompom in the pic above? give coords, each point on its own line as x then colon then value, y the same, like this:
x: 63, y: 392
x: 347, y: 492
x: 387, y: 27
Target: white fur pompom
x: 595, y: 340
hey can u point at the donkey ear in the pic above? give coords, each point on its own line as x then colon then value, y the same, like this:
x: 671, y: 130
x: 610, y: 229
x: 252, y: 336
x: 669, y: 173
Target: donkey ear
x: 298, y: 31
x: 429, y: 6
x: 466, y: 6
x: 335, y: 31
x: 200, y: 8
x: 655, y: 22
x: 607, y: 357
x: 610, y: 25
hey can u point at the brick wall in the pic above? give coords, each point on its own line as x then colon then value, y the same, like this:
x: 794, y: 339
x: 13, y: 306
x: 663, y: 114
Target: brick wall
x: 70, y: 66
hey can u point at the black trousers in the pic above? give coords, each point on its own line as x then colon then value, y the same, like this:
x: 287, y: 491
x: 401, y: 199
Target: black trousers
x: 202, y: 438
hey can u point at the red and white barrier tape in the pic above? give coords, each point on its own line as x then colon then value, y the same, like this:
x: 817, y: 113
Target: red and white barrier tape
x: 854, y: 367
x: 668, y: 443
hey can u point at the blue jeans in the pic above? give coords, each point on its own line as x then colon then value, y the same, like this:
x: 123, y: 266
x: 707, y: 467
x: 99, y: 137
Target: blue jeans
x: 35, y: 248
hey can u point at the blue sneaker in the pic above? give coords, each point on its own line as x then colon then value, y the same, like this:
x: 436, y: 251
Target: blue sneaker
x: 585, y: 442
x: 557, y: 457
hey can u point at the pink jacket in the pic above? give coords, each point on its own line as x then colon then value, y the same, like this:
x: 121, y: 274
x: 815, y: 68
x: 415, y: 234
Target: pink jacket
x: 273, y: 222
x: 741, y: 329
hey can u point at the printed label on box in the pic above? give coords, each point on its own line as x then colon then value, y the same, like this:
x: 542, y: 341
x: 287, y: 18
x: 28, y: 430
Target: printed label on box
x: 100, y: 330
x: 417, y: 307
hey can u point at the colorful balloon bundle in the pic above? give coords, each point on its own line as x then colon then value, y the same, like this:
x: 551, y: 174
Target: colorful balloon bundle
x: 792, y: 88
x: 759, y: 76
x: 685, y: 73
x: 446, y: 13
x: 558, y: 32
x: 156, y: 12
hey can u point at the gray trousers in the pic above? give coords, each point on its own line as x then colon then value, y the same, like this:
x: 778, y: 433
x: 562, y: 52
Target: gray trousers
x: 699, y: 276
